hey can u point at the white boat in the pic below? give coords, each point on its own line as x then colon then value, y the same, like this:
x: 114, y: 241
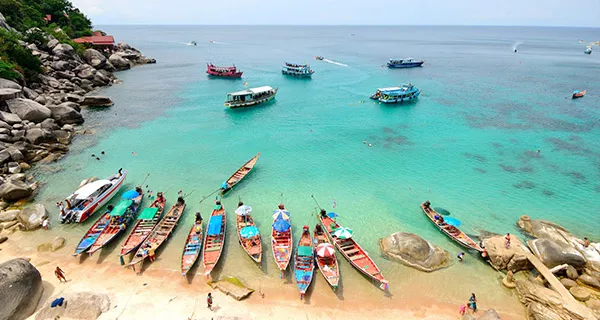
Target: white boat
x: 192, y: 43
x: 588, y: 50
x: 82, y: 203
x: 250, y: 97
x: 297, y: 70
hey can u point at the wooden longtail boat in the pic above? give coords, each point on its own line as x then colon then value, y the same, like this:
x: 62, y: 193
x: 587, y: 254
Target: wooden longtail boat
x: 451, y: 231
x: 92, y: 234
x: 304, y: 265
x: 223, y: 72
x: 192, y: 247
x: 281, y: 239
x: 356, y: 255
x: 248, y: 234
x: 120, y: 218
x: 214, y: 239
x: 160, y: 233
x: 144, y: 225
x: 328, y: 266
x: 239, y: 174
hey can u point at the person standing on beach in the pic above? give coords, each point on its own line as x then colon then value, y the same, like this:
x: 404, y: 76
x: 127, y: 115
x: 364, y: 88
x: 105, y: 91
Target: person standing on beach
x: 60, y: 274
x: 151, y: 254
x: 473, y: 303
x: 209, y: 301
x: 507, y: 241
x: 45, y: 223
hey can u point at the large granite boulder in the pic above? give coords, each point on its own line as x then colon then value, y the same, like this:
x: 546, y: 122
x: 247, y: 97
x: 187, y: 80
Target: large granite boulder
x: 31, y: 216
x: 94, y: 58
x: 9, y: 94
x: 9, y: 118
x: 37, y: 135
x: 52, y: 43
x: 97, y: 101
x: 231, y: 286
x: 14, y: 190
x: 63, y: 51
x: 414, y: 251
x: 76, y: 305
x: 20, y: 289
x: 9, y: 215
x: 8, y: 84
x: 28, y: 110
x: 552, y: 254
x: 511, y: 259
x: 64, y: 114
x: 119, y: 62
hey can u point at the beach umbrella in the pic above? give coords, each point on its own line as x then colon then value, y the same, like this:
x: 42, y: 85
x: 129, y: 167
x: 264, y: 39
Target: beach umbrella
x: 332, y: 215
x: 281, y: 225
x: 281, y: 214
x: 442, y: 211
x: 452, y: 221
x: 343, y: 233
x: 243, y: 210
x: 249, y: 232
x: 130, y: 194
x: 325, y: 250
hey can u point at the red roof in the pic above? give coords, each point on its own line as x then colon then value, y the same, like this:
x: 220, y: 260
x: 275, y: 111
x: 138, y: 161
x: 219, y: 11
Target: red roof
x: 97, y: 40
x: 48, y: 18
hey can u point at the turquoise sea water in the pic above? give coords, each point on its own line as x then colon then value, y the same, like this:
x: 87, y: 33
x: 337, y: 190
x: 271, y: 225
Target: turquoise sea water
x: 469, y: 144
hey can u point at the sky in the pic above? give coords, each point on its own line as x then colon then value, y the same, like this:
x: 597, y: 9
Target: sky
x: 576, y: 13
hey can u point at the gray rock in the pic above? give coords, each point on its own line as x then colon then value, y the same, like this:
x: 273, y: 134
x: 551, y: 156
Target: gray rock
x: 63, y: 136
x: 6, y: 138
x: 65, y: 74
x: 18, y: 126
x: 14, y: 190
x: 8, y: 84
x: 86, y: 74
x: 3, y: 23
x: 9, y: 118
x: 32, y: 47
x: 79, y: 305
x: 568, y: 283
x: 60, y: 65
x: 31, y: 216
x: 18, y: 135
x: 9, y: 215
x: 97, y: 101
x: 490, y: 314
x: 4, y: 156
x: 511, y: 259
x: 109, y: 67
x: 30, y: 94
x: 49, y: 124
x: 73, y: 98
x: 72, y: 105
x: 100, y: 79
x: 63, y: 51
x: 17, y: 177
x: 63, y: 114
x: 15, y: 154
x: 41, y: 99
x: 68, y: 127
x: 57, y: 243
x: 414, y: 251
x: 13, y: 167
x: 94, y: 58
x: 572, y: 273
x: 5, y: 125
x: 589, y: 281
x: 21, y: 287
x: 52, y: 44
x: 9, y: 94
x: 28, y: 110
x: 119, y: 62
x: 231, y: 286
x: 4, y: 131
x: 580, y: 293
x: 37, y: 135
x: 552, y: 254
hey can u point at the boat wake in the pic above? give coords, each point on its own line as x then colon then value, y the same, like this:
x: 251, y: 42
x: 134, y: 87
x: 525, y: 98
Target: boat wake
x: 335, y: 62
x: 516, y: 45
x: 216, y: 42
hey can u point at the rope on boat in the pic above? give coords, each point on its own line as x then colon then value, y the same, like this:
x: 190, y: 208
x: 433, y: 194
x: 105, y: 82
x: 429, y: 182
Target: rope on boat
x: 206, y: 197
x: 143, y: 182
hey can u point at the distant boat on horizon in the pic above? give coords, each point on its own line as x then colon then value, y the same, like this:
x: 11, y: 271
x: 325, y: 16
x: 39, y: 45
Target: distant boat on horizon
x: 588, y: 50
x: 192, y: 43
x: 405, y: 63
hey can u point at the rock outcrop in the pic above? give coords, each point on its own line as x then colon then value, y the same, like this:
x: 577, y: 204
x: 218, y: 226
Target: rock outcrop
x: 231, y: 286
x: 28, y: 110
x: 97, y: 101
x: 76, y: 305
x: 20, y: 289
x: 552, y: 254
x: 502, y: 258
x: 31, y: 217
x: 414, y: 251
x: 12, y: 190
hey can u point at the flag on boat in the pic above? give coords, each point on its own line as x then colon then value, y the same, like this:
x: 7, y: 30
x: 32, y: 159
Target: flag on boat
x: 325, y: 250
x: 343, y: 233
x: 243, y: 210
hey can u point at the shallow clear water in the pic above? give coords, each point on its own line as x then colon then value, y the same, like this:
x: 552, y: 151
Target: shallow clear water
x: 469, y: 144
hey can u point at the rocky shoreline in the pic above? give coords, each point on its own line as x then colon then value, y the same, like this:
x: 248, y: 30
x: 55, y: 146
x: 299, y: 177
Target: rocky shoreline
x: 38, y: 120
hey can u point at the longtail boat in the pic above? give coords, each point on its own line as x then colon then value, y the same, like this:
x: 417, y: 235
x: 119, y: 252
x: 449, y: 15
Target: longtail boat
x: 281, y: 239
x: 84, y: 201
x: 248, y: 234
x: 451, y: 231
x: 214, y: 239
x: 160, y: 233
x: 120, y: 218
x: 304, y: 265
x: 325, y: 257
x: 144, y: 225
x: 239, y: 174
x: 356, y: 255
x: 193, y: 245
x: 93, y: 232
x: 223, y: 72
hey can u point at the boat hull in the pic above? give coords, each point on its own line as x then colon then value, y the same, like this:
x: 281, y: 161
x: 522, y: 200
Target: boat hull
x: 297, y: 74
x: 234, y: 75
x: 304, y: 265
x: 405, y: 65
x: 141, y: 230
x: 400, y: 99
x: 214, y: 244
x: 240, y: 173
x: 462, y: 239
x: 282, y: 248
x: 254, y: 251
x: 236, y: 105
x: 92, y: 234
x: 328, y: 267
x: 192, y: 248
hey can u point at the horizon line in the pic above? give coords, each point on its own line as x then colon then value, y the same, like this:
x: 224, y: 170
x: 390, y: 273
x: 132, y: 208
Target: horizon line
x: 349, y: 25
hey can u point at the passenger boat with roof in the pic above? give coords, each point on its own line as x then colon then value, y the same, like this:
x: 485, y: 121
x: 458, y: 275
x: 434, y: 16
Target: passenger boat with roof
x: 406, y: 93
x: 214, y: 240
x: 248, y: 233
x: 250, y: 97
x: 223, y: 72
x: 297, y: 70
x: 242, y: 172
x: 146, y: 221
x: 404, y: 63
x: 90, y: 197
x: 350, y: 249
x: 451, y: 231
x: 192, y: 247
x: 120, y: 218
x: 160, y: 233
x: 281, y: 239
x: 325, y: 257
x: 304, y: 265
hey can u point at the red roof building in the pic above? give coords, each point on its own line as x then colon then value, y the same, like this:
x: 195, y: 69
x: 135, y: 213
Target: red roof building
x: 48, y: 18
x: 97, y: 40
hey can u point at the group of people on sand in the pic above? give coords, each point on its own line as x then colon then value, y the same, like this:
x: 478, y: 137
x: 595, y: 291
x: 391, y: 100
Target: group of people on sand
x: 472, y: 304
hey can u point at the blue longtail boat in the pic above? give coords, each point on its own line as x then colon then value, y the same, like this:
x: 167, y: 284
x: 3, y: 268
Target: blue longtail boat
x: 304, y: 265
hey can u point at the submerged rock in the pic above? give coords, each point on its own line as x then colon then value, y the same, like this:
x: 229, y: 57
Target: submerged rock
x: 414, y: 251
x: 501, y: 258
x: 97, y: 101
x: 76, y: 305
x: 20, y: 289
x: 231, y: 286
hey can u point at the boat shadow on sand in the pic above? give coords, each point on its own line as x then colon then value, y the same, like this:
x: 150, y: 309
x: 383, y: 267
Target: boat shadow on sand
x: 108, y: 250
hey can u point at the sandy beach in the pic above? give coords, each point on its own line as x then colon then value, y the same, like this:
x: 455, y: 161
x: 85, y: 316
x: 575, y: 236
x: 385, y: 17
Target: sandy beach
x: 160, y: 293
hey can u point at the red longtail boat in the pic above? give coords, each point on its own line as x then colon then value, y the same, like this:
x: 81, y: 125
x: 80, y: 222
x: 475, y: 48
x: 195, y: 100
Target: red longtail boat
x: 223, y: 72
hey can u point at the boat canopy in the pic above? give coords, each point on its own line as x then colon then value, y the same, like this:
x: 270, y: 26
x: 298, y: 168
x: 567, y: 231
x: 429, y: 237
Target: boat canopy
x: 87, y: 190
x: 121, y: 208
x: 305, y: 251
x: 214, y: 225
x: 148, y: 213
x: 251, y: 91
x: 389, y: 89
x: 281, y: 225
